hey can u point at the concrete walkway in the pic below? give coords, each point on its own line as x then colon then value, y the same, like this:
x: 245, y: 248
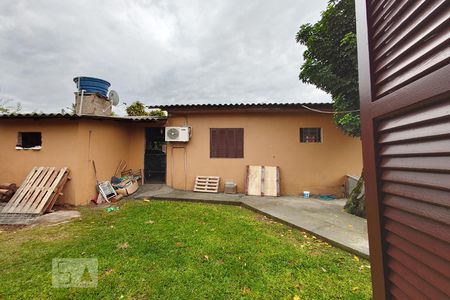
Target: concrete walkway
x: 324, y: 219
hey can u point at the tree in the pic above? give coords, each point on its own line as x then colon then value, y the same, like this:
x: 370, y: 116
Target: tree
x: 69, y: 109
x: 138, y: 108
x: 8, y: 109
x: 330, y: 63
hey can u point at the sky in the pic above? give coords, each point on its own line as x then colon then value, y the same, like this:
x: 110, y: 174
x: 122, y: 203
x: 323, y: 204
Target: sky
x: 157, y: 52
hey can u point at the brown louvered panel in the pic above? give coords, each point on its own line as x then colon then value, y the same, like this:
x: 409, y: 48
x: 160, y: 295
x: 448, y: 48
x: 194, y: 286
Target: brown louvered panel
x: 431, y: 180
x: 427, y: 164
x: 404, y: 41
x: 379, y: 6
x: 435, y: 279
x: 414, y: 156
x: 397, y: 293
x: 432, y: 196
x: 425, y: 115
x: 418, y: 148
x: 411, y: 291
x: 425, y: 18
x: 404, y: 76
x: 440, y: 265
x: 398, y: 270
x: 414, y: 42
x: 382, y: 33
x: 415, y: 172
x: 425, y: 131
x: 393, y: 81
x: 385, y: 12
x: 433, y: 212
x: 424, y: 225
x: 435, y: 246
x: 398, y: 61
x: 381, y: 25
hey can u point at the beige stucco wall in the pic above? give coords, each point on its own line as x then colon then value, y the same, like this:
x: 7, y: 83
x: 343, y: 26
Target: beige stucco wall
x: 270, y: 139
x: 59, y: 149
x: 73, y: 144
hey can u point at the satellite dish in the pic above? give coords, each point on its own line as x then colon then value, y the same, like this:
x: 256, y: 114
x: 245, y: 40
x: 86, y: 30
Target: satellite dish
x: 113, y: 96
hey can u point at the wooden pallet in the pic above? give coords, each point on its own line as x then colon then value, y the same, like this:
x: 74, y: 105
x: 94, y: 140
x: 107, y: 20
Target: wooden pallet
x: 39, y: 191
x: 262, y: 181
x: 207, y: 184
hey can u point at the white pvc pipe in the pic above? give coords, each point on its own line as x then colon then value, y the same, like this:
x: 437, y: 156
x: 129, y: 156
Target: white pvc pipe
x: 81, y: 101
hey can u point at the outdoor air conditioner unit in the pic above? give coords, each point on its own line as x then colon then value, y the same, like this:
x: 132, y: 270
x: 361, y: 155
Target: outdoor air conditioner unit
x: 177, y: 134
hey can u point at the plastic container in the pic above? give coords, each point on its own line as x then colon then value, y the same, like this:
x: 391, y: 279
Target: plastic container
x: 230, y: 187
x: 92, y: 85
x: 306, y: 194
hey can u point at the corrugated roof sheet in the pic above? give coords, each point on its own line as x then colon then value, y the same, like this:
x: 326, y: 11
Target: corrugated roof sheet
x: 73, y: 116
x: 233, y: 105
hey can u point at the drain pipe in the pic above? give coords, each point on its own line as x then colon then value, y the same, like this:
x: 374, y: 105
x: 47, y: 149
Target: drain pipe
x: 81, y: 101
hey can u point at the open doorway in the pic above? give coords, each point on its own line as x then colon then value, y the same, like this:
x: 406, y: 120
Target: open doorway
x: 155, y: 155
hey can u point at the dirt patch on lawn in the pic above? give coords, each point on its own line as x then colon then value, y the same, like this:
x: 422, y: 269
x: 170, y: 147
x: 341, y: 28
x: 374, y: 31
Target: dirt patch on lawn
x: 11, y: 227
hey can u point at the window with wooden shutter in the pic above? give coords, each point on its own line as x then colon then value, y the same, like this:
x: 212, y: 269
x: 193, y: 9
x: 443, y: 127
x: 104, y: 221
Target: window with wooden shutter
x: 227, y: 142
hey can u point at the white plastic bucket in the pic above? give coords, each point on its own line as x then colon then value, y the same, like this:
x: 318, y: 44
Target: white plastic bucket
x: 305, y: 194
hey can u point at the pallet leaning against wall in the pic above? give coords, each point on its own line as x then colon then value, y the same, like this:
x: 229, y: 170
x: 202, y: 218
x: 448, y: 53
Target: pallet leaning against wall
x: 262, y: 181
x: 39, y: 191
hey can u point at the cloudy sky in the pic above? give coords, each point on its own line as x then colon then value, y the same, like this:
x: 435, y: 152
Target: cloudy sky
x: 155, y: 51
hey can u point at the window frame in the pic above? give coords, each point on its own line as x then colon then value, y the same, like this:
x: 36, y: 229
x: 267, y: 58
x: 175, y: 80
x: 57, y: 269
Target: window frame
x: 35, y: 145
x: 302, y: 141
x: 218, y: 146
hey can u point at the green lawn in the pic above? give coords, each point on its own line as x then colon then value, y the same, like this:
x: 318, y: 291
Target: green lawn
x: 173, y: 250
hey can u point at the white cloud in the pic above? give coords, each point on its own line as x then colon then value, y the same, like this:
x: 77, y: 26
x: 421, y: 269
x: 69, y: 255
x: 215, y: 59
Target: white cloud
x: 155, y: 51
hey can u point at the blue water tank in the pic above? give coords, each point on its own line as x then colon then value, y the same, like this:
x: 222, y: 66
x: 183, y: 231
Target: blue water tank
x: 92, y: 85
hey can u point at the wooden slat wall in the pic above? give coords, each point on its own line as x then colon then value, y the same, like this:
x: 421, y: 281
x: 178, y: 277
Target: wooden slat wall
x: 410, y: 40
x: 414, y: 155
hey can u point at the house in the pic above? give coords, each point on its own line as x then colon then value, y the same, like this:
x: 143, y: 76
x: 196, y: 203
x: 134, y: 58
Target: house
x: 311, y: 152
x: 73, y: 141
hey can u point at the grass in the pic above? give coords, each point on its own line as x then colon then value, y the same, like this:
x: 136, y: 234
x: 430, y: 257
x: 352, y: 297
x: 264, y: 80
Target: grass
x: 173, y: 250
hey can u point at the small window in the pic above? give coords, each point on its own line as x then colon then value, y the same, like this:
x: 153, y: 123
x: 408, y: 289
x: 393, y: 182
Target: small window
x: 310, y: 135
x: 29, y: 140
x: 226, y: 142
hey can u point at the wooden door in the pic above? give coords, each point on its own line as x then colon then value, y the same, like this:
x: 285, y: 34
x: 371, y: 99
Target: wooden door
x: 404, y: 77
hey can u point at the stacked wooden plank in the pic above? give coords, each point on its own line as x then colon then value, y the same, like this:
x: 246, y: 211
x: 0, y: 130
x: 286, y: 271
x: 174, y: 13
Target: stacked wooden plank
x: 207, y: 184
x: 7, y: 190
x: 39, y: 191
x: 262, y: 181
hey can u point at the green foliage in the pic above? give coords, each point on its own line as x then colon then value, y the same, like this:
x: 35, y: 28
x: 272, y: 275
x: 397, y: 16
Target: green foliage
x: 168, y: 250
x: 69, y: 109
x: 138, y: 108
x: 8, y: 109
x: 330, y: 61
x: 157, y: 113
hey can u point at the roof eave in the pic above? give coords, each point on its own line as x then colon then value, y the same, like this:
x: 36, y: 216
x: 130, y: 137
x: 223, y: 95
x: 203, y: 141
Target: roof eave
x: 81, y: 117
x: 232, y: 108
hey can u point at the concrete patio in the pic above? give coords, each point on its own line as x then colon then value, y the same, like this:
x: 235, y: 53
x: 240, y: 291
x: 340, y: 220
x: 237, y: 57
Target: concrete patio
x: 324, y: 219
